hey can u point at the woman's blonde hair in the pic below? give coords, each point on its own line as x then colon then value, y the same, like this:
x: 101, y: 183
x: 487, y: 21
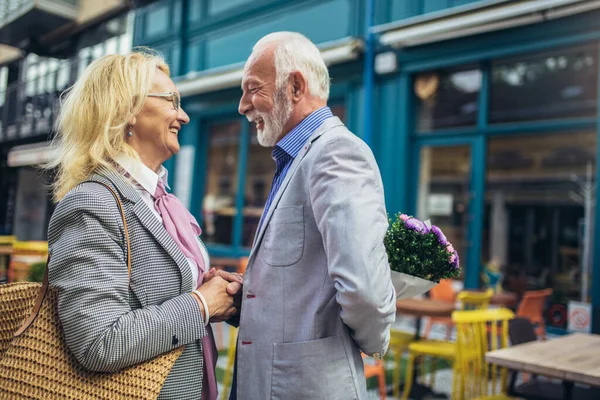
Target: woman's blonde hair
x: 95, y: 112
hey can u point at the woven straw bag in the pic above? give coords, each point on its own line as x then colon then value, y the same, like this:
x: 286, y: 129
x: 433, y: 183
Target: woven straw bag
x: 35, y: 362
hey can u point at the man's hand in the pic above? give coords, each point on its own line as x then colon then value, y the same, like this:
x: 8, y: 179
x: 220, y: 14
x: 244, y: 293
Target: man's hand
x: 219, y: 302
x: 235, y: 280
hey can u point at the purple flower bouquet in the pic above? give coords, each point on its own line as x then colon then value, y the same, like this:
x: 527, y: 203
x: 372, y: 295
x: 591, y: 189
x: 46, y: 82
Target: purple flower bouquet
x: 419, y: 255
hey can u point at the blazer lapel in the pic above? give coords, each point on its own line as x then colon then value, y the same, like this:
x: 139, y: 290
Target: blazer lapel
x: 264, y: 221
x: 150, y: 222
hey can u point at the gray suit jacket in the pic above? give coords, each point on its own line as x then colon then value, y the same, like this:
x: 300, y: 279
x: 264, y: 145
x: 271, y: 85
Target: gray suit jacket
x: 109, y: 324
x: 317, y: 288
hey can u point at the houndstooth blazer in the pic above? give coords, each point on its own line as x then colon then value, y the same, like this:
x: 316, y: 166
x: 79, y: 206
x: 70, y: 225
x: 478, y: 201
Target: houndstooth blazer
x: 109, y: 324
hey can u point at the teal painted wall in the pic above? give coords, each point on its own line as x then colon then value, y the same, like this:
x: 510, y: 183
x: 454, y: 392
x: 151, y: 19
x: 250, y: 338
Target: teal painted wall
x: 219, y: 33
x: 396, y: 10
x: 321, y: 23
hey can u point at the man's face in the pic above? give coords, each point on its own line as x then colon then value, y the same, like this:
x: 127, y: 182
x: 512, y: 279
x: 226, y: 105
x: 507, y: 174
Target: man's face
x: 261, y: 102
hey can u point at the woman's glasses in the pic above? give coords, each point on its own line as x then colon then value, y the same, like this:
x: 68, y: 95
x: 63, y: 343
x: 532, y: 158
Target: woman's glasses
x: 171, y: 96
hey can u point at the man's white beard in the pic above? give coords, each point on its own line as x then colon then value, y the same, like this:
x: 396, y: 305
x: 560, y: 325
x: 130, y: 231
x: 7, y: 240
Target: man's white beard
x: 275, y: 120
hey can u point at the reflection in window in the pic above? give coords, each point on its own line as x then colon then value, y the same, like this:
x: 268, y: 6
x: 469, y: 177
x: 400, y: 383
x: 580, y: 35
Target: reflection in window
x: 218, y: 206
x: 447, y: 99
x: 561, y: 84
x: 259, y: 176
x: 444, y: 194
x: 535, y: 210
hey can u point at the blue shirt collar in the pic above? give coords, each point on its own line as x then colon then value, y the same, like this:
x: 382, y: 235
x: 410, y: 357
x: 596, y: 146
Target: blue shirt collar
x: 296, y: 138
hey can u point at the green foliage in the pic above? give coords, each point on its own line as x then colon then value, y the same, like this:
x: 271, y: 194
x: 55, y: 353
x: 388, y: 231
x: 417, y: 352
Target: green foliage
x: 36, y: 272
x: 417, y: 250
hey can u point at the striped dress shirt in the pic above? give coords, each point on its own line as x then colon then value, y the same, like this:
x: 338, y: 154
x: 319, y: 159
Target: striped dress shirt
x: 288, y: 148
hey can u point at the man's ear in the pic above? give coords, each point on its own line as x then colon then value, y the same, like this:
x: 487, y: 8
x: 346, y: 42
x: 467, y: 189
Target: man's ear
x: 299, y: 86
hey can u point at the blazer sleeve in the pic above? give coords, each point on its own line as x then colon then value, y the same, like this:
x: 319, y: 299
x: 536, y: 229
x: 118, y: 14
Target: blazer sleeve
x: 88, y: 267
x: 347, y: 198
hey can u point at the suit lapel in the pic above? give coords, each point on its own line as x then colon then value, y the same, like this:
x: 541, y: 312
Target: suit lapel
x: 264, y: 222
x: 150, y: 222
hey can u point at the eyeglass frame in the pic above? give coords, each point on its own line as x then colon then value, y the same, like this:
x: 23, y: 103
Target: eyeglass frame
x: 175, y: 98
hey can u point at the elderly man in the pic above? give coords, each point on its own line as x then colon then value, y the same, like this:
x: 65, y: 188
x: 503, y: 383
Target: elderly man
x: 317, y: 289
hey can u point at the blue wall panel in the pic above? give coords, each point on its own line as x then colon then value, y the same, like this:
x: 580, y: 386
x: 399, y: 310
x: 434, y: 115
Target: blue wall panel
x: 218, y: 6
x: 402, y: 9
x: 435, y: 5
x: 323, y: 22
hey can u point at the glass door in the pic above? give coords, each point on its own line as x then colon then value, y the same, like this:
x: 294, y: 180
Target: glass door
x: 444, y: 194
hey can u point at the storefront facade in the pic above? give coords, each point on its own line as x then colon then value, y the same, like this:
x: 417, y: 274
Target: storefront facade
x: 490, y: 129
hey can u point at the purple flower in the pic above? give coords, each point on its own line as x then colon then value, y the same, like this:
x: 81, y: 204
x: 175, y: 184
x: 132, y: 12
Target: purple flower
x: 416, y: 225
x: 404, y: 217
x: 456, y: 261
x: 440, y: 235
x: 450, y: 248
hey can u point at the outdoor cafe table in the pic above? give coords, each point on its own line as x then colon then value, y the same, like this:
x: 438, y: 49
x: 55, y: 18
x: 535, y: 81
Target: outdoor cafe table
x: 420, y: 308
x: 504, y: 299
x: 572, y: 358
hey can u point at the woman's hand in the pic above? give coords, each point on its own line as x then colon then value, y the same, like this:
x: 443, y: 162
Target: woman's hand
x: 220, y: 303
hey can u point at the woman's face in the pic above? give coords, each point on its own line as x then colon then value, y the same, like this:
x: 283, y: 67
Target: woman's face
x: 156, y: 127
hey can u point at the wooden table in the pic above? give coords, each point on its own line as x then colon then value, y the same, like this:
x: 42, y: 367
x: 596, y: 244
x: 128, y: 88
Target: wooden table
x: 422, y: 308
x: 571, y: 358
x: 505, y: 299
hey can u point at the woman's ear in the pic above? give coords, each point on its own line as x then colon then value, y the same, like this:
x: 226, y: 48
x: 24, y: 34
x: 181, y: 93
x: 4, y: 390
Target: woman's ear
x: 131, y: 122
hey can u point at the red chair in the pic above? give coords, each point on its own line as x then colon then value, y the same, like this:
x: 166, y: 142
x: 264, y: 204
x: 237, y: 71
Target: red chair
x: 376, y: 369
x: 443, y: 291
x: 532, y: 308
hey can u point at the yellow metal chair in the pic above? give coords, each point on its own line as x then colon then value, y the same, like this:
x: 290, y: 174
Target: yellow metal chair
x: 474, y: 379
x: 399, y: 341
x: 230, y: 361
x: 441, y: 348
x: 475, y: 300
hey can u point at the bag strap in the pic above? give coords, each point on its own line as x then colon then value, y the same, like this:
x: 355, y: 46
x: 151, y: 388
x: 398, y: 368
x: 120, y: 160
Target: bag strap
x: 44, y: 289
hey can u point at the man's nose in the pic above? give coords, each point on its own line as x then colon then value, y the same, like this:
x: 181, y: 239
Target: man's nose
x: 244, y: 106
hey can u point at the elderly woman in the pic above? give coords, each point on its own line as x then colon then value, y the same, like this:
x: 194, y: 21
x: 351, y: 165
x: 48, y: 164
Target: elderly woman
x: 117, y: 125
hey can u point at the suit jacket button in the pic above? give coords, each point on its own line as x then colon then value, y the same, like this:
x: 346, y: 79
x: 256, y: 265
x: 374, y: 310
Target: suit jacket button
x: 174, y: 341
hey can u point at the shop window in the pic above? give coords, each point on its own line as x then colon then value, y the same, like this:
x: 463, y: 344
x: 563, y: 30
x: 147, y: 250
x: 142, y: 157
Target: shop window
x: 259, y: 176
x: 447, y: 99
x: 218, y: 206
x: 444, y: 192
x: 31, y: 205
x: 555, y: 85
x: 536, y: 214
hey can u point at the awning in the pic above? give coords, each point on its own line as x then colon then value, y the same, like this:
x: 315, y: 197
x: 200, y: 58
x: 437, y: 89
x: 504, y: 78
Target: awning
x: 31, y: 154
x: 336, y: 52
x: 476, y: 19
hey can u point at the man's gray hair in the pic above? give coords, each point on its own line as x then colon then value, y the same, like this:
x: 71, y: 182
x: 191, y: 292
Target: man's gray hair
x: 295, y: 52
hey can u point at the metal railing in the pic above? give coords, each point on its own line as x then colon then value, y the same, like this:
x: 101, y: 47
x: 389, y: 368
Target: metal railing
x: 29, y: 108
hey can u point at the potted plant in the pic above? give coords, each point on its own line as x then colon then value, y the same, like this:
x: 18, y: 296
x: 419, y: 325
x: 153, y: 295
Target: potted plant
x: 419, y: 255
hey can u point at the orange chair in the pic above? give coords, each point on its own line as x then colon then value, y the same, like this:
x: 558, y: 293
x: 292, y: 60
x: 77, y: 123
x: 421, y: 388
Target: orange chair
x: 243, y: 262
x: 443, y: 291
x: 532, y: 308
x: 376, y: 369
